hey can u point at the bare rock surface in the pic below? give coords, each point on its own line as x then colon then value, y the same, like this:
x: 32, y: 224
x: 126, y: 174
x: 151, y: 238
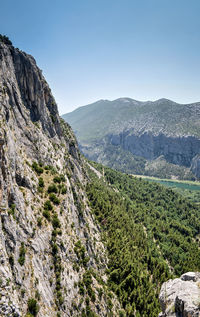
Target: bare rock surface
x: 47, y: 248
x: 181, y: 296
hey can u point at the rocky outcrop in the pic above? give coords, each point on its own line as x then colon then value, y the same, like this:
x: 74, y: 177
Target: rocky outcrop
x: 176, y: 150
x: 51, y: 254
x: 195, y: 165
x: 181, y: 296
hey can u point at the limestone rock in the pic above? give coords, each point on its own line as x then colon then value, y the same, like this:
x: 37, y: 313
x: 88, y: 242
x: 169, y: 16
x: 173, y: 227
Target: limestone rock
x: 38, y: 258
x: 195, y: 165
x: 181, y: 296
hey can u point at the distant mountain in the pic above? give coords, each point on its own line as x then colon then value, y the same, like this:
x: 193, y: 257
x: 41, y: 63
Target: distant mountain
x: 160, y: 138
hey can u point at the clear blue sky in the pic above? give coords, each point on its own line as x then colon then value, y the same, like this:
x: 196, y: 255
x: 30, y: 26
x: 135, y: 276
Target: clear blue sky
x: 106, y: 49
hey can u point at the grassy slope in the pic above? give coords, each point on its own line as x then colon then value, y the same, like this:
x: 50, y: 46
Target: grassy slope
x: 145, y: 227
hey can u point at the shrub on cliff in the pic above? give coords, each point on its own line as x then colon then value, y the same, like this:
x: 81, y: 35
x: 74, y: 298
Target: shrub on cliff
x: 33, y: 307
x: 4, y: 39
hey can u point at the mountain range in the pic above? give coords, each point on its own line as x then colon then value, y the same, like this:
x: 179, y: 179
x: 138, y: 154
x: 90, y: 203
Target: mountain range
x: 160, y: 138
x: 78, y: 238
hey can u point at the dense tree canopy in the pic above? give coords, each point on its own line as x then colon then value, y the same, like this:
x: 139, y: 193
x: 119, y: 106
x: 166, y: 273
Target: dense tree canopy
x: 151, y: 235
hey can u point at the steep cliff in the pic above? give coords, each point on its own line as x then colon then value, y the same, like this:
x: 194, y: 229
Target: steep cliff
x: 145, y: 130
x: 52, y: 259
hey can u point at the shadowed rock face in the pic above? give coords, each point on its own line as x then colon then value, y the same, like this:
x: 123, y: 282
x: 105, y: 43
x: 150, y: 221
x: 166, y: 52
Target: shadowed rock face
x: 195, y: 165
x: 182, y: 151
x: 23, y: 83
x: 181, y: 297
x: 177, y: 150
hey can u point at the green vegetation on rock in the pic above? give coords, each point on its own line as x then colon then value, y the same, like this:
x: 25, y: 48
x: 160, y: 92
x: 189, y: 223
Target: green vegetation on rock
x: 4, y: 39
x: 33, y: 307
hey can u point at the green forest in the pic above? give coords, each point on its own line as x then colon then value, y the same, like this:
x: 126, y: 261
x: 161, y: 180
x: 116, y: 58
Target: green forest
x: 151, y: 234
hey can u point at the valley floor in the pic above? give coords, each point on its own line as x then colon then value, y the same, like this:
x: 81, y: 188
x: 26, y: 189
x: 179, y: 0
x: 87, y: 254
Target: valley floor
x: 189, y: 189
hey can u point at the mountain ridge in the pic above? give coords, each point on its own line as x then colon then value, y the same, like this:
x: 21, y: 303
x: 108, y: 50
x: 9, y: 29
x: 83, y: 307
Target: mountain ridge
x: 164, y: 127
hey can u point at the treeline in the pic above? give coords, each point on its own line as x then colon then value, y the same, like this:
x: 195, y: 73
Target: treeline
x: 151, y: 235
x: 4, y: 39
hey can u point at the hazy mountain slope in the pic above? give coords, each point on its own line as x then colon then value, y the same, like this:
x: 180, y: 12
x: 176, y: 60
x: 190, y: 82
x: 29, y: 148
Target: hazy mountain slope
x: 161, y: 116
x: 145, y: 129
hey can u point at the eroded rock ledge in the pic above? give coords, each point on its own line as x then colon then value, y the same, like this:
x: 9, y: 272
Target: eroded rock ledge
x: 181, y: 296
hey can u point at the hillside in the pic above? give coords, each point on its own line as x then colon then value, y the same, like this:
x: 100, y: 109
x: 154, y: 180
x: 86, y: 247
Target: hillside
x: 161, y: 138
x: 76, y: 238
x: 151, y: 234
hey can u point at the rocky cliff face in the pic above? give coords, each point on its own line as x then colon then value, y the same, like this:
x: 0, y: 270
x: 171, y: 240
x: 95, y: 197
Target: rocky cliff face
x: 182, y: 151
x: 181, y: 297
x: 52, y: 261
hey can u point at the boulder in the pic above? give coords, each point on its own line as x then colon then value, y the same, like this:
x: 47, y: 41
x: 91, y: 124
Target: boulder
x: 181, y: 296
